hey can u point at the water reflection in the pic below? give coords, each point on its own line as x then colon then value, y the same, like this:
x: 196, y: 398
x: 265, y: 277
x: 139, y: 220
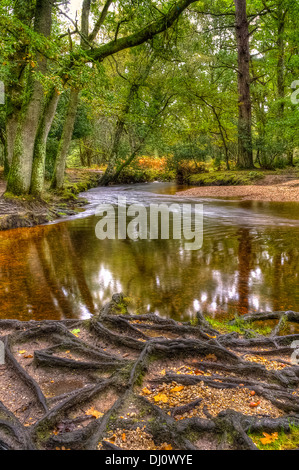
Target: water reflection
x: 63, y: 271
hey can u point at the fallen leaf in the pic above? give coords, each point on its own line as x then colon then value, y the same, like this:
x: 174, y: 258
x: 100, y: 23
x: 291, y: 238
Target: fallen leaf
x: 269, y: 438
x: 146, y: 391
x: 211, y: 357
x: 177, y: 389
x: 76, y: 332
x: 198, y: 372
x: 95, y: 413
x: 253, y: 405
x: 166, y: 447
x: 161, y: 397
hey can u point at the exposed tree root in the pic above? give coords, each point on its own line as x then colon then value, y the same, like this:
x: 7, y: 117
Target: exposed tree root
x: 84, y: 381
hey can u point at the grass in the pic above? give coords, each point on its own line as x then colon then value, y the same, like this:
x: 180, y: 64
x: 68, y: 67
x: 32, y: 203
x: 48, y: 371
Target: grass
x: 285, y: 440
x: 225, y: 178
x: 238, y: 327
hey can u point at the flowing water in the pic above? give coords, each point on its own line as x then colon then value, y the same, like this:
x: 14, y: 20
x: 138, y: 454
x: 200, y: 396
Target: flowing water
x: 248, y: 262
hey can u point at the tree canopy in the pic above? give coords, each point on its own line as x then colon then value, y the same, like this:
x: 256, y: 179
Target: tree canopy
x: 195, y: 80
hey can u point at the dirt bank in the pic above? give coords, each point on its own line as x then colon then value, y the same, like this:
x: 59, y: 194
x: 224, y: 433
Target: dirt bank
x: 272, y: 188
x: 17, y: 212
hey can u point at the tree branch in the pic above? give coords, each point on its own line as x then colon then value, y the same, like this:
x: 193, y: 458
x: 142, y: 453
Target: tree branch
x: 148, y: 32
x: 100, y: 21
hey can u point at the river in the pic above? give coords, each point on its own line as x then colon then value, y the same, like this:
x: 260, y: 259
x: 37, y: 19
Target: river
x: 248, y: 262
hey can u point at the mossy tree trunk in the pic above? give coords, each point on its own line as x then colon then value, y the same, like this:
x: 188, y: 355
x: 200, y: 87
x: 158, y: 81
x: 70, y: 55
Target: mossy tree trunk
x: 39, y: 157
x: 19, y: 178
x: 245, y: 155
x: 23, y: 11
x: 65, y: 141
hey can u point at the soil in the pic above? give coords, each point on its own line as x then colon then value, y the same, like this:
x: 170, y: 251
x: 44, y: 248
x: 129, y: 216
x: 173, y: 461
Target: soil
x: 277, y: 188
x: 106, y: 384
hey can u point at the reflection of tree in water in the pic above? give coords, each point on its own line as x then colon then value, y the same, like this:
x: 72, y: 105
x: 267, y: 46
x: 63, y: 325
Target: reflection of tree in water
x: 244, y: 268
x: 42, y: 277
x: 64, y: 271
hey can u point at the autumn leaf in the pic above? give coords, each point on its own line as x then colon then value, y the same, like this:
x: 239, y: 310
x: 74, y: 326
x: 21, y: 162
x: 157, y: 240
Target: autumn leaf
x: 177, y: 389
x: 123, y: 437
x: 95, y: 413
x: 198, y: 372
x: 146, y: 391
x: 166, y: 447
x: 76, y: 332
x: 161, y: 397
x: 211, y: 357
x: 22, y: 352
x: 253, y: 405
x: 269, y: 438
x: 28, y: 356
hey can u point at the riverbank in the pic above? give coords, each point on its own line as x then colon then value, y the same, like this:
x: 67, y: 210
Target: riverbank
x: 141, y: 382
x: 276, y: 188
x: 18, y: 212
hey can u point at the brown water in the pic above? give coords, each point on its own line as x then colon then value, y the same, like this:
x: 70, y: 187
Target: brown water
x: 248, y: 262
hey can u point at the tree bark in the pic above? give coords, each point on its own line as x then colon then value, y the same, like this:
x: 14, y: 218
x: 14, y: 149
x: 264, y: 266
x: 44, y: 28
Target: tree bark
x: 66, y: 138
x: 245, y: 155
x: 39, y: 157
x: 15, y: 86
x: 19, y: 178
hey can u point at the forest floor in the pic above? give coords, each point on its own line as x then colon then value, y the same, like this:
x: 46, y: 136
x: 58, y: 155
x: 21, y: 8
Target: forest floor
x: 16, y: 212
x: 278, y: 188
x: 140, y: 382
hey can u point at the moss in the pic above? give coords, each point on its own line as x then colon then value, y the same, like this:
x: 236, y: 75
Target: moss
x: 285, y: 440
x: 239, y: 327
x: 225, y: 178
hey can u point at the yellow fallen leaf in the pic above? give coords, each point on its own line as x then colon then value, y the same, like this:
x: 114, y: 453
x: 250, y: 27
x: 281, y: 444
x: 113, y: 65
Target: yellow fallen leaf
x: 146, y: 391
x: 166, y: 447
x: 177, y: 389
x: 93, y: 412
x: 161, y: 397
x: 22, y: 352
x: 269, y: 438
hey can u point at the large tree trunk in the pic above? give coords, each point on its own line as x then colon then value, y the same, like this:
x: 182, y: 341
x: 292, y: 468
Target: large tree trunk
x: 23, y: 11
x: 65, y: 141
x: 11, y: 132
x: 39, y: 157
x: 245, y: 156
x: 19, y: 178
